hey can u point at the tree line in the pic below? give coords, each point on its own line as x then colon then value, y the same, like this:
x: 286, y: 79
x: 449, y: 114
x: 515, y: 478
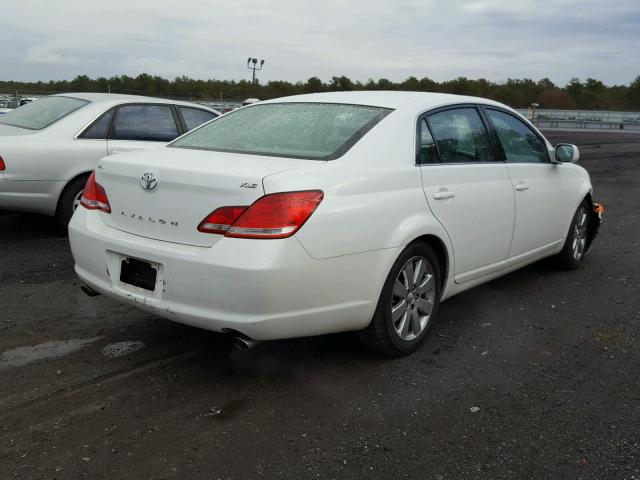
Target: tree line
x: 590, y: 94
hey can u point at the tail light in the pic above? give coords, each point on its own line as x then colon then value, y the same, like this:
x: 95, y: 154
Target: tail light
x: 2, y: 165
x: 94, y: 197
x: 277, y: 215
x: 220, y: 220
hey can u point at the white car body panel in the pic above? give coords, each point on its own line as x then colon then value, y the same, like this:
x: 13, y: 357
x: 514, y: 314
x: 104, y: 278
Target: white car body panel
x: 114, y: 147
x: 483, y: 198
x: 538, y: 189
x: 329, y: 275
x: 40, y: 163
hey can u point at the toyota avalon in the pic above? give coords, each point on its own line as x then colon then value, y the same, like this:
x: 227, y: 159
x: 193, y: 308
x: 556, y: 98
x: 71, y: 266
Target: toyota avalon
x: 321, y: 213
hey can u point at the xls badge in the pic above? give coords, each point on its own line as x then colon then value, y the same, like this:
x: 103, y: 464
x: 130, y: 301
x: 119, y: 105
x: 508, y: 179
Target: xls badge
x: 148, y: 181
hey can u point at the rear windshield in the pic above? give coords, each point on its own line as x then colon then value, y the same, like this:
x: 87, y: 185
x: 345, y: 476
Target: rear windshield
x: 42, y: 113
x: 316, y: 131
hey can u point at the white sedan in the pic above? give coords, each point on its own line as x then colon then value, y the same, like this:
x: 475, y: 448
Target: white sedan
x: 331, y: 212
x: 48, y: 148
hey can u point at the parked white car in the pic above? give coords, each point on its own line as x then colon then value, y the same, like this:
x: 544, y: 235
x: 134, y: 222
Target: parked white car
x: 331, y: 212
x: 8, y: 105
x: 49, y: 147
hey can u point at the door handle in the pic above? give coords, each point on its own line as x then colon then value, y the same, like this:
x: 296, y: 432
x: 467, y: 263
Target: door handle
x: 521, y: 187
x: 443, y: 195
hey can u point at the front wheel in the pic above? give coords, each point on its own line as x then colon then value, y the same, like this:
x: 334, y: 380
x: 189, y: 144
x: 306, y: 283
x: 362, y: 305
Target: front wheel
x: 575, y: 246
x: 408, y: 303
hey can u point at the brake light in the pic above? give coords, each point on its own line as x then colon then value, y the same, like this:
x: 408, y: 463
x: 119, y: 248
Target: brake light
x: 2, y: 165
x: 94, y: 196
x: 277, y: 215
x: 221, y: 220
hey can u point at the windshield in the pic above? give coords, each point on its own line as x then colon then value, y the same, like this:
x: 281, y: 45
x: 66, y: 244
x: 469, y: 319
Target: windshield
x: 316, y: 131
x: 44, y: 112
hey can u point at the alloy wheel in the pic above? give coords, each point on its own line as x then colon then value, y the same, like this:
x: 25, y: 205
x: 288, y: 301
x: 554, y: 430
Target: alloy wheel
x: 412, y: 298
x: 579, y: 243
x: 76, y: 200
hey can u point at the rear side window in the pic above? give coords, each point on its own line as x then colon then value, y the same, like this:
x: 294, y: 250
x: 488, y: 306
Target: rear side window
x: 153, y: 123
x: 520, y: 143
x: 194, y: 117
x: 461, y: 136
x: 427, y: 151
x: 315, y: 131
x: 100, y: 128
x: 43, y: 112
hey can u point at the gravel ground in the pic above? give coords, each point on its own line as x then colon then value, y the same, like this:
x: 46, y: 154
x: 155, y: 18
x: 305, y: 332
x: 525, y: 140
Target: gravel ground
x: 531, y: 376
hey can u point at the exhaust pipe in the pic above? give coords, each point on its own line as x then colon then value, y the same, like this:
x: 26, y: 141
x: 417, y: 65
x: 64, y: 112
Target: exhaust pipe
x: 242, y: 342
x: 89, y: 291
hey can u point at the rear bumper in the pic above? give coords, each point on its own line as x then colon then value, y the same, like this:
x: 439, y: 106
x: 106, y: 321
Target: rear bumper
x: 265, y: 289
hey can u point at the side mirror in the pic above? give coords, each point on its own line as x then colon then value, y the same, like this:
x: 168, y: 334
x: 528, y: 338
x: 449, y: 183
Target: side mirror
x: 565, y: 152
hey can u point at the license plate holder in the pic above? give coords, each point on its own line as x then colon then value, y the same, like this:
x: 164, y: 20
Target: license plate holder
x: 138, y: 273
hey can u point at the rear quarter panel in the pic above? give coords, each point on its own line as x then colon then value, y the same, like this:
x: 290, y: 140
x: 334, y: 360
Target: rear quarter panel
x: 373, y: 194
x: 50, y: 159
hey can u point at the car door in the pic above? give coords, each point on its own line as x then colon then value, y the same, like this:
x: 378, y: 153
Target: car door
x: 142, y: 126
x: 467, y: 187
x: 537, y: 183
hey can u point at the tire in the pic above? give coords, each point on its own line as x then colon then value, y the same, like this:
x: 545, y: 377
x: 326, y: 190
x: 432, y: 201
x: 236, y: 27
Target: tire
x: 404, y: 315
x: 576, y: 244
x: 70, y: 199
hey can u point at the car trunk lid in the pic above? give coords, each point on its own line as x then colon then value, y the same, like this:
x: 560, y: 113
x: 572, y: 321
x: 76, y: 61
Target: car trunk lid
x: 189, y: 184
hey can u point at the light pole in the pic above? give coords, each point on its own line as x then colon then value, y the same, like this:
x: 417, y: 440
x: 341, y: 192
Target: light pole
x: 252, y: 64
x: 533, y: 112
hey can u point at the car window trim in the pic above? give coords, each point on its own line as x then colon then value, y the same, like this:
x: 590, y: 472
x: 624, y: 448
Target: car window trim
x: 180, y: 127
x: 525, y: 122
x: 422, y: 118
x: 425, y: 115
x: 142, y: 104
x: 79, y: 136
x: 183, y: 121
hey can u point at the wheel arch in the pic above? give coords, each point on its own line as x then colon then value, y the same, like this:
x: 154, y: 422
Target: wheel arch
x: 594, y: 221
x: 442, y: 253
x: 66, y: 187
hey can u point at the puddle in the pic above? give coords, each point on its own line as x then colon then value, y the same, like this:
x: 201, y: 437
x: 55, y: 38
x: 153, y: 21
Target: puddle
x: 120, y: 349
x: 20, y: 356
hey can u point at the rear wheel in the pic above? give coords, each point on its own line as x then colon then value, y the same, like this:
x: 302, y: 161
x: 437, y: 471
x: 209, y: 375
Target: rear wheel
x: 408, y: 303
x: 575, y: 246
x: 70, y: 200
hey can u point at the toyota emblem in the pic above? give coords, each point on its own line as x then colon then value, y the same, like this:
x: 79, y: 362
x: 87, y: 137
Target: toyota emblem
x: 148, y: 181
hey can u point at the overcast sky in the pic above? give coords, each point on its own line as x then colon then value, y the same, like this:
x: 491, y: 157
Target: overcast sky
x: 494, y: 39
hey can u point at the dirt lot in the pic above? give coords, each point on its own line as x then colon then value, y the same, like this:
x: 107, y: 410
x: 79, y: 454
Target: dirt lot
x: 532, y: 376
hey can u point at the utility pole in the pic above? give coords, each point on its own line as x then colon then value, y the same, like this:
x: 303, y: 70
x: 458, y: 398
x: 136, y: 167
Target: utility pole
x: 533, y: 112
x: 252, y: 64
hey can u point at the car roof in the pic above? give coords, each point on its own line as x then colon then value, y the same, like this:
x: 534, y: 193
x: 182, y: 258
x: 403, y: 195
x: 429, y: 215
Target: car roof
x: 386, y: 99
x: 117, y: 98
